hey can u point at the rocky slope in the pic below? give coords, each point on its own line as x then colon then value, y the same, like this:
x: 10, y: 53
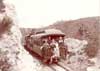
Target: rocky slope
x: 72, y: 28
x: 13, y: 56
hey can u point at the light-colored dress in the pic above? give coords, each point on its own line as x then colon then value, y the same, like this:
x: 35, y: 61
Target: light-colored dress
x: 56, y: 50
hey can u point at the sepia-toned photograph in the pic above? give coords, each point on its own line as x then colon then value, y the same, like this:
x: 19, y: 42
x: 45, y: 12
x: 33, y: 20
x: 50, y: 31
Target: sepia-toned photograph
x: 49, y: 35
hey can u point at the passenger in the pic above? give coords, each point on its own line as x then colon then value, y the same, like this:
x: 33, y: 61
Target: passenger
x: 63, y: 48
x: 63, y: 51
x: 44, y: 48
x: 47, y: 52
x: 60, y: 41
x: 45, y: 44
x: 49, y: 40
x: 55, y: 47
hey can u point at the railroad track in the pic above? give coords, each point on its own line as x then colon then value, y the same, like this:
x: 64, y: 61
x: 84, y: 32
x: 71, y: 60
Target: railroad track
x: 59, y: 67
x: 63, y: 65
x: 56, y: 67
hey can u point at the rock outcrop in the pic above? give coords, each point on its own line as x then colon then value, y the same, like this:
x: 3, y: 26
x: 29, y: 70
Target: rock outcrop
x: 13, y: 56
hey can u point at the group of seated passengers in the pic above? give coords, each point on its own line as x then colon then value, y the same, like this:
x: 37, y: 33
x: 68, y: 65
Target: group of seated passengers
x: 52, y: 45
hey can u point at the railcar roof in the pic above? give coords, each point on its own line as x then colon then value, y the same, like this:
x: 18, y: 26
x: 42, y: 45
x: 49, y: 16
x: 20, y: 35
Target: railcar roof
x: 49, y: 32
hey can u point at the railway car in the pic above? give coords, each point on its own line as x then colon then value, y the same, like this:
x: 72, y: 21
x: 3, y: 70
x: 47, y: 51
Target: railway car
x: 49, y: 44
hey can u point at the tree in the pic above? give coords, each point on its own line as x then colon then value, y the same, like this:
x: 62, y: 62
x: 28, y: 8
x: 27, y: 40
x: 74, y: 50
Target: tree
x: 5, y: 24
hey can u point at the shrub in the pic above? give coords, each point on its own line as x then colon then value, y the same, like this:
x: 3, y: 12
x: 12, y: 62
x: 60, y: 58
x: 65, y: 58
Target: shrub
x: 5, y: 24
x: 92, y: 49
x: 4, y: 64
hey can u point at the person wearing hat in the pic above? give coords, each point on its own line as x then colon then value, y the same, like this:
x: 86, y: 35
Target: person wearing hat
x: 55, y: 47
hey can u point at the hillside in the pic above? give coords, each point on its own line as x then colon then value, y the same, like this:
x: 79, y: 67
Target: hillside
x: 84, y: 28
x: 72, y: 28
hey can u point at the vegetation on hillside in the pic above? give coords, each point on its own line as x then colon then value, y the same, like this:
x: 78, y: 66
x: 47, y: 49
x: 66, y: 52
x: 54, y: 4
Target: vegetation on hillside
x: 84, y: 28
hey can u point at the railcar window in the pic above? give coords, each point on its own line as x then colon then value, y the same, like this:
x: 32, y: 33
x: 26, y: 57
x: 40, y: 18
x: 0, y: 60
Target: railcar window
x: 38, y: 42
x: 40, y: 32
